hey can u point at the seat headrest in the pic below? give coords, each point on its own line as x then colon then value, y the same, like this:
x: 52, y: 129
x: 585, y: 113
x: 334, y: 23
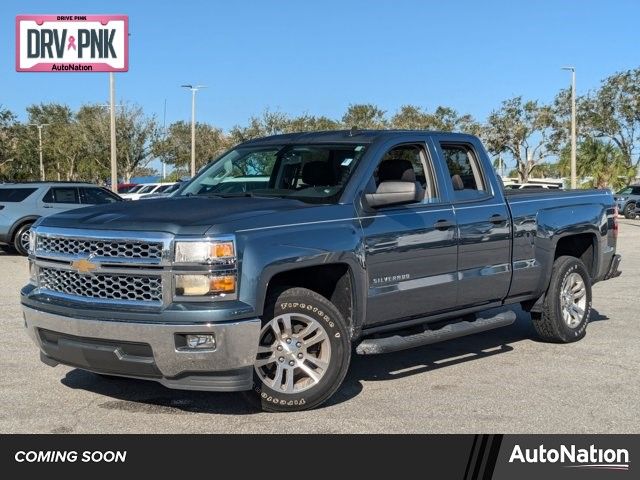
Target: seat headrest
x: 457, y: 182
x: 317, y: 174
x: 398, y: 170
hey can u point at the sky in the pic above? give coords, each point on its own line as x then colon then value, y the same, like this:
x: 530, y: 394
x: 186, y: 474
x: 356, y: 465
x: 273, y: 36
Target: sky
x: 318, y: 57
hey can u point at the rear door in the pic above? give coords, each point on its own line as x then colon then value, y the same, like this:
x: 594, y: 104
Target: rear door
x: 410, y: 250
x: 483, y: 222
x: 58, y: 199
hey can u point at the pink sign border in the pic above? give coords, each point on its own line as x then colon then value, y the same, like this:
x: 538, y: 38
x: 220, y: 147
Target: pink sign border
x: 97, y: 67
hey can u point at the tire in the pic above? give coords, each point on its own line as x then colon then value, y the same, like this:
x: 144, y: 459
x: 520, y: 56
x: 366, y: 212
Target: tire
x: 295, y: 370
x: 630, y: 211
x: 570, y: 284
x: 20, y: 242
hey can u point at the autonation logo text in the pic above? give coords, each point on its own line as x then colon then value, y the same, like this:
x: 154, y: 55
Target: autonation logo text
x: 574, y: 457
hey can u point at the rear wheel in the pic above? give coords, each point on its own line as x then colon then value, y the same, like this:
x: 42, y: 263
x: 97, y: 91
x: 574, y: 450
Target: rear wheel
x: 567, y: 303
x: 630, y: 211
x: 21, y: 239
x: 303, y: 354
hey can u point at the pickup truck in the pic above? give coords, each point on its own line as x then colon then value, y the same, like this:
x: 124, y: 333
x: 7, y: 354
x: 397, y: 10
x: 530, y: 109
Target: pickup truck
x: 329, y: 244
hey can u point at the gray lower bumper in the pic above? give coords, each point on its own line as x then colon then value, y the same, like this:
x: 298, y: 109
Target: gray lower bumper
x: 118, y: 348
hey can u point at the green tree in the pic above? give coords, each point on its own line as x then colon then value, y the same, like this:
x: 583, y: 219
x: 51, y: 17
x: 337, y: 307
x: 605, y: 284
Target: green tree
x: 443, y: 119
x: 174, y: 148
x: 612, y: 113
x: 603, y: 164
x: 524, y: 130
x: 136, y: 134
x: 9, y: 135
x: 364, y: 116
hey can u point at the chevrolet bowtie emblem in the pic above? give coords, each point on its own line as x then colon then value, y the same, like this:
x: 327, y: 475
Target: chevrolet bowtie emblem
x: 83, y: 266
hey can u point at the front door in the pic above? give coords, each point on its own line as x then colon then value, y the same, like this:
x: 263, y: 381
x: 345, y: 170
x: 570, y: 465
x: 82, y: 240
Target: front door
x: 410, y: 249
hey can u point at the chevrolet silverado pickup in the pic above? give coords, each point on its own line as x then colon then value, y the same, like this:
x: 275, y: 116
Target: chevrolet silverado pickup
x: 288, y: 254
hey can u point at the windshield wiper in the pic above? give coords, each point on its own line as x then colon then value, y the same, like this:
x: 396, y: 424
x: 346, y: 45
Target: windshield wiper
x: 231, y: 194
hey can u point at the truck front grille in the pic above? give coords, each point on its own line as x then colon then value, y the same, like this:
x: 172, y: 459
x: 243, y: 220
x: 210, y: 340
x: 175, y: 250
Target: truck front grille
x: 98, y: 248
x: 117, y: 287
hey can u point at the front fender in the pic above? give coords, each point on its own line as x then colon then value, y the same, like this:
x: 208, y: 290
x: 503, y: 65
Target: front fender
x: 266, y: 253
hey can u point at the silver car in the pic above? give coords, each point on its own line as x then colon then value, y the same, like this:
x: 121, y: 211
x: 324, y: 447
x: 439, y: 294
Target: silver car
x: 21, y: 204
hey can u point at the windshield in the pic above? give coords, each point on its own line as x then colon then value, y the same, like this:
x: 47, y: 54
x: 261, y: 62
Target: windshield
x: 311, y: 173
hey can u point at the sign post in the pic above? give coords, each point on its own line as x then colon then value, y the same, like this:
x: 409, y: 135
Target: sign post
x: 76, y: 43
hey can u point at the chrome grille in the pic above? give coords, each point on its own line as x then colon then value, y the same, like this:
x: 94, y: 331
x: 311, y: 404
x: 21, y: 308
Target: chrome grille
x: 120, y: 287
x: 98, y: 248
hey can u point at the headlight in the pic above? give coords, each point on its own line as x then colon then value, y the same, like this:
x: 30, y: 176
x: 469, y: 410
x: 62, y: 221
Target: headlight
x: 33, y: 273
x: 32, y: 240
x: 205, y: 285
x: 205, y: 252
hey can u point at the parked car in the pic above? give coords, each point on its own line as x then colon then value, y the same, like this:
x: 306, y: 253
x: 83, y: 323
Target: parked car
x: 21, y: 204
x: 145, y: 189
x: 380, y: 240
x: 164, y: 191
x: 627, y: 199
x: 126, y: 187
x: 528, y: 185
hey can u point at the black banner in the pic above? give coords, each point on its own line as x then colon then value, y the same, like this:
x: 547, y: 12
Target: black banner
x: 467, y: 457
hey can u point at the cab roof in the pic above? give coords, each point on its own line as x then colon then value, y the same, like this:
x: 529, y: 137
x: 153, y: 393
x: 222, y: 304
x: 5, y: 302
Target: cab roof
x: 336, y: 136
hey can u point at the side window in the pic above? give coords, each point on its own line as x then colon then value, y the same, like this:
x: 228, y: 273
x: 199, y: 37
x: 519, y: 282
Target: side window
x: 465, y: 172
x: 636, y: 191
x: 97, y: 196
x: 61, y: 195
x: 408, y: 163
x: 15, y: 195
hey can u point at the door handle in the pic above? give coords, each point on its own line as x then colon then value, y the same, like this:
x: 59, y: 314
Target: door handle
x: 47, y: 206
x: 443, y: 225
x: 497, y: 218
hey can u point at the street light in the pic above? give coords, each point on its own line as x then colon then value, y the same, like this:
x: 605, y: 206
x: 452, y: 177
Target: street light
x: 194, y: 89
x: 40, y: 126
x: 573, y: 125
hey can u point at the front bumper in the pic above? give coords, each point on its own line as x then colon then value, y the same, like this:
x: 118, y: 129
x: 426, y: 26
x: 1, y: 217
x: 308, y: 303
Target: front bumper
x: 149, y: 350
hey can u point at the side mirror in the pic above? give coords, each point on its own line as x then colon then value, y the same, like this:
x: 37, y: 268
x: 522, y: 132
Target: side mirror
x: 392, y: 193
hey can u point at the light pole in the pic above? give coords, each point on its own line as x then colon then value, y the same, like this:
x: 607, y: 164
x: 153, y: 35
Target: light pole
x: 112, y: 121
x: 194, y: 89
x: 164, y: 137
x: 40, y: 126
x: 573, y: 125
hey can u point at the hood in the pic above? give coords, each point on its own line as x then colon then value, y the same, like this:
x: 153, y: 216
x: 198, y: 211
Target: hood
x: 176, y: 215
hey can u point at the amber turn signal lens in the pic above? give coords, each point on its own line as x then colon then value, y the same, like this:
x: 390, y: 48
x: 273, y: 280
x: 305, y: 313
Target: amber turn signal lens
x: 222, y: 250
x: 223, y: 284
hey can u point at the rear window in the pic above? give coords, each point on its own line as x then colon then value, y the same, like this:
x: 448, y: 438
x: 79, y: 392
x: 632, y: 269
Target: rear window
x: 15, y: 194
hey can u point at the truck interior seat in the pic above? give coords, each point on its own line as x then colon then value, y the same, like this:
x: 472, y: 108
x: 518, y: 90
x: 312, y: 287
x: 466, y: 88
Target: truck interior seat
x: 457, y: 182
x: 399, y: 171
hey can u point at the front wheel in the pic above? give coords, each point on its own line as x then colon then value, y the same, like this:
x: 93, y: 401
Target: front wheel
x: 21, y: 239
x: 630, y: 211
x: 303, y: 354
x: 567, y: 303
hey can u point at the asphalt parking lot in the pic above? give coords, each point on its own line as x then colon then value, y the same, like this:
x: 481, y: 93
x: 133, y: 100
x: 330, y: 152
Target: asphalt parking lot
x: 502, y: 381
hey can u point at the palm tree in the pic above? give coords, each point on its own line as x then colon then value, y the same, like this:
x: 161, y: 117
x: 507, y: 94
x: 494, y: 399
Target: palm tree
x: 602, y: 164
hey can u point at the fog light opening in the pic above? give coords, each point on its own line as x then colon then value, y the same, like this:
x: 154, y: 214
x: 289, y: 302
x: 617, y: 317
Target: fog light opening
x: 199, y: 342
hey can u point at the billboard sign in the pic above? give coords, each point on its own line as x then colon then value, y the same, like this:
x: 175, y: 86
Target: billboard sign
x: 72, y: 43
